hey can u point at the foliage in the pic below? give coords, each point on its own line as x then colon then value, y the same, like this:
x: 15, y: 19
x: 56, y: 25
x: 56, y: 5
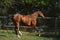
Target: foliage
x: 27, y: 6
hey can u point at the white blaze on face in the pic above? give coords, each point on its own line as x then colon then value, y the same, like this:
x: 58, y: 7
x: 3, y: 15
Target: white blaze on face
x: 42, y: 15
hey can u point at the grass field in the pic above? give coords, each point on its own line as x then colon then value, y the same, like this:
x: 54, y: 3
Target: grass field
x: 9, y: 35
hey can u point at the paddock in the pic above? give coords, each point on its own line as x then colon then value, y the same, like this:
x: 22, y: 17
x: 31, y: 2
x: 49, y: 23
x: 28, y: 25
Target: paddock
x: 46, y: 24
x: 49, y: 30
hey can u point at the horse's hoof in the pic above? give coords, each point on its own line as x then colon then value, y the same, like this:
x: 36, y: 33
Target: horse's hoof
x: 18, y: 36
x: 39, y: 35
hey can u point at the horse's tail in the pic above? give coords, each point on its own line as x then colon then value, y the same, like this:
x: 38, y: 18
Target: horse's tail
x: 12, y: 17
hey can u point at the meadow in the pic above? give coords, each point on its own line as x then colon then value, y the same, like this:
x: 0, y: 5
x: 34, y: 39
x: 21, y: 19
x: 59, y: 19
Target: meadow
x: 10, y: 35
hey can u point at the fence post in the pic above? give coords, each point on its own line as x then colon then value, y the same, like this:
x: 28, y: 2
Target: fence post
x: 55, y: 26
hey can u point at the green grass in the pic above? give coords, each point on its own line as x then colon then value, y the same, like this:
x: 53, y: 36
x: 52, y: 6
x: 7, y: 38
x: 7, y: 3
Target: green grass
x: 9, y: 35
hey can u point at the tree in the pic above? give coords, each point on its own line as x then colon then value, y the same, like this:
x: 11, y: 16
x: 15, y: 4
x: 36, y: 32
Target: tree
x: 29, y: 5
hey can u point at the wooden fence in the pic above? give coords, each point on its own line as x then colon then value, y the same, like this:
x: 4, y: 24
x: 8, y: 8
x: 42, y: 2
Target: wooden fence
x: 47, y: 23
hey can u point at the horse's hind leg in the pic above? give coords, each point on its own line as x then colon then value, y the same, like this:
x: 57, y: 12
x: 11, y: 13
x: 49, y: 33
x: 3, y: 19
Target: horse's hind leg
x: 17, y: 28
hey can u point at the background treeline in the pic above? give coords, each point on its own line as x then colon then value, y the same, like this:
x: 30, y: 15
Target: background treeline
x: 50, y: 8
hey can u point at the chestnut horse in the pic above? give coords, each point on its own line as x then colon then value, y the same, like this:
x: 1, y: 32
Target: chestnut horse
x: 27, y: 19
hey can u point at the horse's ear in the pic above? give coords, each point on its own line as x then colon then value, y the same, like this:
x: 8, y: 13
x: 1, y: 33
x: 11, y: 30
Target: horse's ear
x: 37, y: 10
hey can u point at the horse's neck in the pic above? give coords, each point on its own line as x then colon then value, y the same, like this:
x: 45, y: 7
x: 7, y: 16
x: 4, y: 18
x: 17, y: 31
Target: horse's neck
x: 35, y: 15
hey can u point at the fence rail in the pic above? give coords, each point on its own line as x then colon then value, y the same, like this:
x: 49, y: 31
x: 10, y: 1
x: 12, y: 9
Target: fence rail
x: 46, y: 17
x: 50, y: 22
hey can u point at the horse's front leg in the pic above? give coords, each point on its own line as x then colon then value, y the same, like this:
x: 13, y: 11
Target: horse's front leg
x: 34, y: 26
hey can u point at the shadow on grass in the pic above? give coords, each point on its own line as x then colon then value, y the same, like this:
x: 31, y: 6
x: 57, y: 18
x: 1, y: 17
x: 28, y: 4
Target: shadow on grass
x: 54, y: 37
x: 3, y: 36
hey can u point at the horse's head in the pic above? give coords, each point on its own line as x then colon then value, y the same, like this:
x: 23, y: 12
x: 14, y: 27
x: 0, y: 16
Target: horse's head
x: 40, y: 14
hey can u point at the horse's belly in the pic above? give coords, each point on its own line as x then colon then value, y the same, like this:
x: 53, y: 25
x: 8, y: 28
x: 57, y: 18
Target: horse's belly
x: 27, y: 21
